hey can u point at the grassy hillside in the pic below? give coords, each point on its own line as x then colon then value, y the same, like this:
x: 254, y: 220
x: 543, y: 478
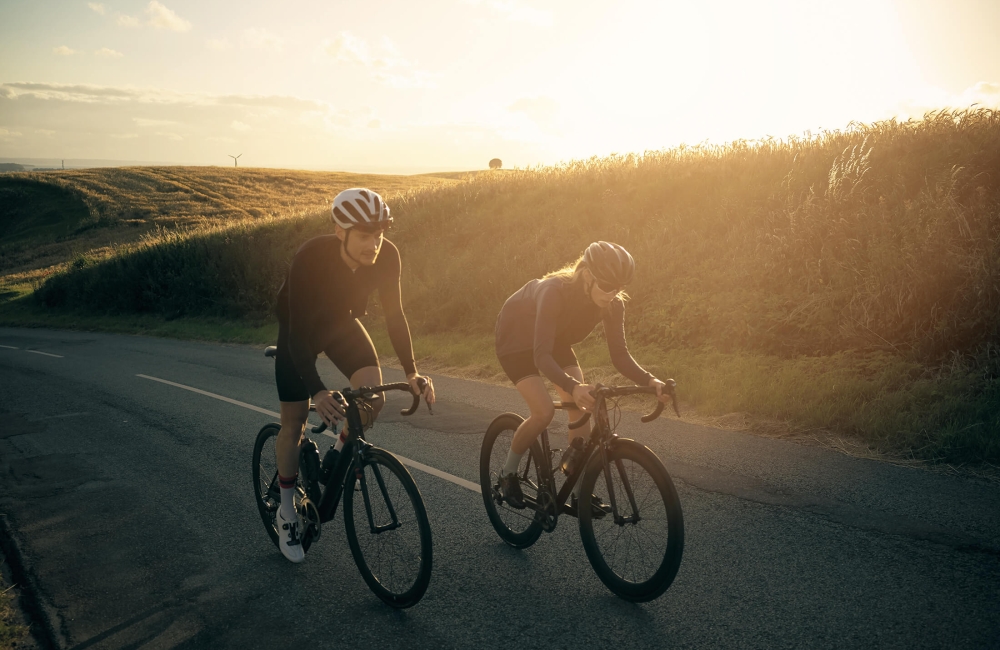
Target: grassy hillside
x: 848, y: 281
x: 49, y: 218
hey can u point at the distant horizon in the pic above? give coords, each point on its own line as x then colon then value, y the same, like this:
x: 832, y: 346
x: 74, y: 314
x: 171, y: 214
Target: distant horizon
x: 91, y: 163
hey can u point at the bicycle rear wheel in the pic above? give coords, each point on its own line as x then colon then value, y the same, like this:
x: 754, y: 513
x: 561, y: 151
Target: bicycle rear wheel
x: 516, y: 527
x: 267, y: 492
x: 388, y: 529
x: 636, y: 554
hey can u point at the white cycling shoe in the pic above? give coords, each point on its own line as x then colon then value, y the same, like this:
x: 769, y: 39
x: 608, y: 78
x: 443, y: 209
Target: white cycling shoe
x: 290, y: 537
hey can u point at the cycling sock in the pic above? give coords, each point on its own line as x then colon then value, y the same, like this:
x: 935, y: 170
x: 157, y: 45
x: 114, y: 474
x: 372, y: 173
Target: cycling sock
x: 513, y: 460
x: 287, y: 486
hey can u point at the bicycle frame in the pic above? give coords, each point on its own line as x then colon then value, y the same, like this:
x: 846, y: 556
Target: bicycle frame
x: 351, y: 457
x: 600, y: 441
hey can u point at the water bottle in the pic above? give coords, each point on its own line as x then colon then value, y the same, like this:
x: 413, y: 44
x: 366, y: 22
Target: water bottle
x: 571, y: 457
x: 329, y: 462
x: 330, y: 459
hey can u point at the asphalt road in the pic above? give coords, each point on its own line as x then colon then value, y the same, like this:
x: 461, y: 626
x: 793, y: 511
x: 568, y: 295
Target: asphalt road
x: 131, y: 504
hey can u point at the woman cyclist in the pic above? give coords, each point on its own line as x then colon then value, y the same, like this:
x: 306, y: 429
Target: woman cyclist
x: 535, y: 332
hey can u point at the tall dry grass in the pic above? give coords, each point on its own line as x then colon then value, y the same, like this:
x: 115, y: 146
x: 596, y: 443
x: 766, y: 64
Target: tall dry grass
x: 850, y: 254
x: 885, y: 236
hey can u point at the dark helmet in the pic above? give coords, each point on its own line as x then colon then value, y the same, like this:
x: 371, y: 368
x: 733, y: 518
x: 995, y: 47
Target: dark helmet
x: 610, y: 263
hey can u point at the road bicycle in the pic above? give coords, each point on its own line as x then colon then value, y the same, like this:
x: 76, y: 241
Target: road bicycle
x: 384, y: 514
x: 629, y: 514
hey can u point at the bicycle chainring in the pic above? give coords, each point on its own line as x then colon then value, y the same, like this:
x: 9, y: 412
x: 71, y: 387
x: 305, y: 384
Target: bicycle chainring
x: 546, y: 513
x: 310, y: 518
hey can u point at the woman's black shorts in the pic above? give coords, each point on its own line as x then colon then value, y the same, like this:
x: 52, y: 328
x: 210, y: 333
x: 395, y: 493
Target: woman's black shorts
x: 522, y: 364
x: 350, y: 350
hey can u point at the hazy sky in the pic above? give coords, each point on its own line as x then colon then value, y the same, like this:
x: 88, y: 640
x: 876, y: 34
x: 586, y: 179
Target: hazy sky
x: 448, y: 84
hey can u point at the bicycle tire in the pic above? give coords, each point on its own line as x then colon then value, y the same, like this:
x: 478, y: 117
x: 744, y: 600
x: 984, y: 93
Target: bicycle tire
x: 265, y: 473
x: 382, y: 580
x: 659, y: 509
x: 517, y: 528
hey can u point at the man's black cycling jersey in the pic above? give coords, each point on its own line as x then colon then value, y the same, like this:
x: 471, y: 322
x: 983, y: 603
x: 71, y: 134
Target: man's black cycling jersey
x: 321, y: 295
x: 547, y: 312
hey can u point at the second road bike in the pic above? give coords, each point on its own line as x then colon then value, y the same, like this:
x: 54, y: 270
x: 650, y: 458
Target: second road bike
x: 629, y: 515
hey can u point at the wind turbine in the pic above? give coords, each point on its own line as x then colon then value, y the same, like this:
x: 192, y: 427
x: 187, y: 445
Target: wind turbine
x: 235, y: 158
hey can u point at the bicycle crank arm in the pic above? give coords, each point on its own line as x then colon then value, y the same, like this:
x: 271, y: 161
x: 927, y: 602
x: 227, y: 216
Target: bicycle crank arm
x: 382, y: 529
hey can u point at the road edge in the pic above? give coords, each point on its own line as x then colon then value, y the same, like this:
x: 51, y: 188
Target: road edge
x: 40, y: 615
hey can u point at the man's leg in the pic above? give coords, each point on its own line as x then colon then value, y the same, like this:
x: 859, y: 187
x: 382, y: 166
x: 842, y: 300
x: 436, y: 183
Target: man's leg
x: 286, y: 448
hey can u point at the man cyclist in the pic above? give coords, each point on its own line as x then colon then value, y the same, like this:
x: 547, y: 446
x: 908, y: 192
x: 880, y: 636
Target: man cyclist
x: 535, y: 332
x: 325, y: 292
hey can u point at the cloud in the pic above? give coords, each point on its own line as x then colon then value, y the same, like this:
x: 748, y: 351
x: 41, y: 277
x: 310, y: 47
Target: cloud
x: 62, y: 50
x: 540, y: 110
x: 347, y: 47
x: 161, y: 17
x: 46, y: 132
x: 108, y: 53
x: 218, y: 44
x: 126, y: 21
x: 984, y: 94
x: 142, y: 121
x: 261, y: 39
x: 97, y: 7
x: 409, y: 80
x: 236, y: 125
x: 517, y: 12
x: 148, y: 123
x: 391, y: 68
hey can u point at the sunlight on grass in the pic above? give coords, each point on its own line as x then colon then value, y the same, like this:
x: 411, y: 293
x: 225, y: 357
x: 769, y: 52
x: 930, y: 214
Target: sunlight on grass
x: 848, y: 280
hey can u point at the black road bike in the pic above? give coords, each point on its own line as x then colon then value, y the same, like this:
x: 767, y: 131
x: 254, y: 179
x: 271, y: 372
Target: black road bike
x: 387, y: 526
x: 635, y: 545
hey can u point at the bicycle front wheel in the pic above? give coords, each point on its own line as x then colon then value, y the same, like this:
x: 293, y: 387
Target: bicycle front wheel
x: 388, y: 529
x: 516, y: 527
x: 636, y: 550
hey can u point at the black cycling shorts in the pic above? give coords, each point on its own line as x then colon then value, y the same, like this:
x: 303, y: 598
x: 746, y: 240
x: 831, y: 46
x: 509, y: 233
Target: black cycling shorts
x: 519, y: 365
x: 351, y: 350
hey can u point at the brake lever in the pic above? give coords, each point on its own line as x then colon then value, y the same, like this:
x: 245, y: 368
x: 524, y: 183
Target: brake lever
x: 421, y: 384
x: 673, y: 395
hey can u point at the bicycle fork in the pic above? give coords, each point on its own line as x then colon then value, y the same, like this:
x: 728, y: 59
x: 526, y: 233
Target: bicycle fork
x: 363, y: 481
x: 634, y: 518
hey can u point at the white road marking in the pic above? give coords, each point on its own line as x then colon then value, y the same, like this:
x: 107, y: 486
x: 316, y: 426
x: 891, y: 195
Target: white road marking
x: 9, y: 347
x: 57, y: 356
x: 433, y: 471
x: 64, y: 415
x: 219, y: 397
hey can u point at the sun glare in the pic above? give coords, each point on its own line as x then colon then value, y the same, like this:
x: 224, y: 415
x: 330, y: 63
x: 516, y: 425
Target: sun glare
x: 449, y: 85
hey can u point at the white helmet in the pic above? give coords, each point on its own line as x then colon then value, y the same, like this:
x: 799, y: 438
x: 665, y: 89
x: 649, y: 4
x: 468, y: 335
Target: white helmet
x: 360, y: 207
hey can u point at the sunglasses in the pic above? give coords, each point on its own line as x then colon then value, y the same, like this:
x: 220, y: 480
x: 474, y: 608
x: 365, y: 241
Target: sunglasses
x: 607, y: 287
